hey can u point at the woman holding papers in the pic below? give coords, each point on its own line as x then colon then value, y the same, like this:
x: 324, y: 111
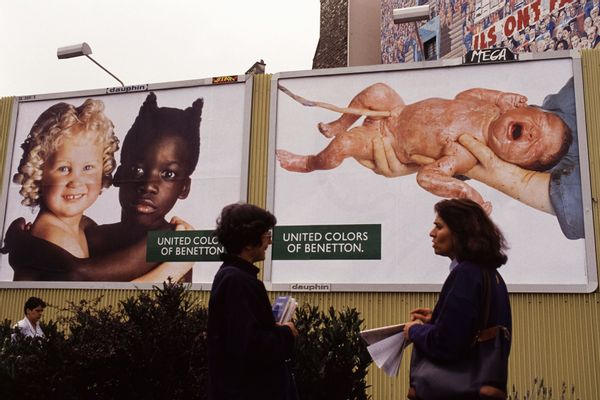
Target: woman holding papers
x: 247, y: 350
x: 473, y: 298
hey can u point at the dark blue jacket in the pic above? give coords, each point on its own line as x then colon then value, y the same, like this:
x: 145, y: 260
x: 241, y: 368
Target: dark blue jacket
x: 456, y: 316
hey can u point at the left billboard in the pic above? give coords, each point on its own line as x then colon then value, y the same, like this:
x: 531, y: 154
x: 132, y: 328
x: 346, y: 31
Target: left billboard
x: 94, y: 178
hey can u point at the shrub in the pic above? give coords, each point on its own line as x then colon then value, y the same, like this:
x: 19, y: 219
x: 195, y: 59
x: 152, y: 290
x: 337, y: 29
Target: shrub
x: 30, y: 367
x: 153, y: 346
x: 330, y: 357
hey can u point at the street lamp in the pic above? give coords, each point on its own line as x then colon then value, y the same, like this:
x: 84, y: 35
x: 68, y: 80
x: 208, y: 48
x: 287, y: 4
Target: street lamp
x: 412, y: 14
x: 82, y: 49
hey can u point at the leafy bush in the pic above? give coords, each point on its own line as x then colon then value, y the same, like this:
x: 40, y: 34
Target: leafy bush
x: 331, y: 358
x: 153, y: 346
x: 29, y: 366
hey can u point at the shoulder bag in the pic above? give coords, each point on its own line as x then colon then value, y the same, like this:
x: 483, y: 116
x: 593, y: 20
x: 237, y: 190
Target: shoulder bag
x: 482, y: 374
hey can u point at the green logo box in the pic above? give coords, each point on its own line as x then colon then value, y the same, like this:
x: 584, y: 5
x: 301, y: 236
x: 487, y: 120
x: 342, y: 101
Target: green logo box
x: 327, y: 242
x: 182, y: 246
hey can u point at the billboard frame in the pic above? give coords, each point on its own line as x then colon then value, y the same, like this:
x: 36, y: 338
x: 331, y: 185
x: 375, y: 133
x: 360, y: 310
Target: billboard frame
x: 590, y: 250
x: 245, y: 80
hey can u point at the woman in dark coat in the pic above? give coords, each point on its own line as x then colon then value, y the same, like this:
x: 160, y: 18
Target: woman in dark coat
x: 247, y: 349
x: 464, y: 233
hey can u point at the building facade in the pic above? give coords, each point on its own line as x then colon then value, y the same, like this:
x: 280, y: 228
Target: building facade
x: 349, y: 27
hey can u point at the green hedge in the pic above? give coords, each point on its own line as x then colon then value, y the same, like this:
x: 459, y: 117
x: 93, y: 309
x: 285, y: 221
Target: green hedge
x: 153, y: 346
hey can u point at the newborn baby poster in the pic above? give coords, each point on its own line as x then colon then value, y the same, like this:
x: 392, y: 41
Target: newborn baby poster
x: 171, y: 151
x: 343, y: 227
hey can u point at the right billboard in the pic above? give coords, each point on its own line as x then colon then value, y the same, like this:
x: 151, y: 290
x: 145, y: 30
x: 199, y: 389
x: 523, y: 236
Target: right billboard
x: 362, y: 156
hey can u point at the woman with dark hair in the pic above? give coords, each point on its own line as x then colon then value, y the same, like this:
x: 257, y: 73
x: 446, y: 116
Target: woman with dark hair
x: 475, y: 237
x: 473, y: 298
x: 247, y: 350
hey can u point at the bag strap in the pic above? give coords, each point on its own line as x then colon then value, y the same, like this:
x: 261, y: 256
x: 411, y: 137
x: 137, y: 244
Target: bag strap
x: 486, y: 299
x: 486, y: 333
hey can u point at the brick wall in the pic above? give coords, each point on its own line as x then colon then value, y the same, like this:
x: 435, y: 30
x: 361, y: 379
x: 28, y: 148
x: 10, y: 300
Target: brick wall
x: 332, y: 49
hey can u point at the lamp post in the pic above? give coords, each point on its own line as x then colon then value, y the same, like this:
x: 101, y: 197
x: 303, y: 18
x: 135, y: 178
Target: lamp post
x: 82, y: 49
x: 412, y: 14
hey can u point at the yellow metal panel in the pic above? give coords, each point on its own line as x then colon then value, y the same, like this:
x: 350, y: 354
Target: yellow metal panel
x: 259, y: 140
x: 6, y: 106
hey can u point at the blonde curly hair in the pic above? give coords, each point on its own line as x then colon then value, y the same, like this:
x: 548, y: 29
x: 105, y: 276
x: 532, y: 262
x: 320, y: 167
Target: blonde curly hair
x: 60, y: 121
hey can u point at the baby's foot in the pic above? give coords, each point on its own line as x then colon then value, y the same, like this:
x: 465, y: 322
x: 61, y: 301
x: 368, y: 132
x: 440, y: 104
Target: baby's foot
x: 292, y: 162
x: 328, y: 129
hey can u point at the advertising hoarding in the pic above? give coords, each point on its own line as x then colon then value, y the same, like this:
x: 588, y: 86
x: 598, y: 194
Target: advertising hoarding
x: 219, y: 178
x: 343, y: 227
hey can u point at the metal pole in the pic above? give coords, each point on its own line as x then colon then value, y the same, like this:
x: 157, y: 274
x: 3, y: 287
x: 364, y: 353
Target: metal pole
x: 107, y: 71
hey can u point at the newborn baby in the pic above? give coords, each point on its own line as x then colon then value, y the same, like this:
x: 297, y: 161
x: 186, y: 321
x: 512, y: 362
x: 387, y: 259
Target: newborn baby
x: 429, y: 129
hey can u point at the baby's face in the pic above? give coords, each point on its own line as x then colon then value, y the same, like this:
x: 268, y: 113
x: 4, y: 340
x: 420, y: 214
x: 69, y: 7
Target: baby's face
x: 525, y: 135
x: 72, y: 177
x: 152, y: 180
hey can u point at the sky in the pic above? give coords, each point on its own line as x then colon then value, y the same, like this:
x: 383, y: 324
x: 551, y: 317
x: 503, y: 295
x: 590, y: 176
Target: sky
x: 149, y: 41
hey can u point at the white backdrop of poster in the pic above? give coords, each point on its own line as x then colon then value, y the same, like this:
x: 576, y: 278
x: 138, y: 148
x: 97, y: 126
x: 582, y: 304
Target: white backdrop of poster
x: 541, y: 258
x: 219, y: 178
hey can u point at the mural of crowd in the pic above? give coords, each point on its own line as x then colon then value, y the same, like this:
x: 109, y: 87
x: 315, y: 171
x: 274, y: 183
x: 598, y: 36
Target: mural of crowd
x: 556, y: 25
x: 397, y: 39
x: 520, y: 25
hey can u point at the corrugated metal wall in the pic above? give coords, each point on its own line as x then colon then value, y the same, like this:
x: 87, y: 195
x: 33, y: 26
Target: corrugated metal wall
x: 6, y: 105
x: 259, y: 140
x: 556, y: 336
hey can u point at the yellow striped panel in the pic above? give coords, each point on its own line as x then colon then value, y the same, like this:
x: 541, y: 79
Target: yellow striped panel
x: 6, y: 105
